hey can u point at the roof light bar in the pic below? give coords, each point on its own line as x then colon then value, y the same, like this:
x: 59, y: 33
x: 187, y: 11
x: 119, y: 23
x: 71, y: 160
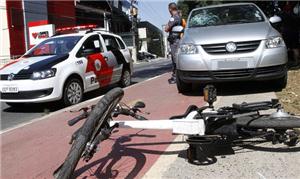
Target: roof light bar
x: 81, y: 27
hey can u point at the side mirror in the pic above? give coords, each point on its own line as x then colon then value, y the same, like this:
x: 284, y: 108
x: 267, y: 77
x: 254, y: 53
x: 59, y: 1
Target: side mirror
x: 87, y: 52
x: 177, y: 29
x: 275, y: 19
x: 139, y: 104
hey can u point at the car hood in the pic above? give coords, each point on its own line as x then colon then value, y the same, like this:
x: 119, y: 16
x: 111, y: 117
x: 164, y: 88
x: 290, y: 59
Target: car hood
x: 31, y: 64
x: 227, y: 33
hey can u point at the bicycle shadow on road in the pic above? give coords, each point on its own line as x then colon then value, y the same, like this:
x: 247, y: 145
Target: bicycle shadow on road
x: 207, y: 154
x: 113, y: 166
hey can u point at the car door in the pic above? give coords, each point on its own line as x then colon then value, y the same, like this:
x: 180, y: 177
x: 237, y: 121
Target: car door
x: 125, y: 51
x: 114, y: 56
x: 97, y: 71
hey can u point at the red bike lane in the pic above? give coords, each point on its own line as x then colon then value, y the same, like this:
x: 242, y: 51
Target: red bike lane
x: 37, y: 149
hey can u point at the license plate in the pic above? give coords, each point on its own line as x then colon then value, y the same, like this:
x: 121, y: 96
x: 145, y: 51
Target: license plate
x: 230, y: 64
x: 10, y: 89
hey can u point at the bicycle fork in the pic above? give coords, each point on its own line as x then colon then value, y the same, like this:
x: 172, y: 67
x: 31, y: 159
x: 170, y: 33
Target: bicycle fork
x: 92, y: 146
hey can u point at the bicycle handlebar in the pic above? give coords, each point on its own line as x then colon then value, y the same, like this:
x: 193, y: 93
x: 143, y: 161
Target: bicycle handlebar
x: 128, y: 112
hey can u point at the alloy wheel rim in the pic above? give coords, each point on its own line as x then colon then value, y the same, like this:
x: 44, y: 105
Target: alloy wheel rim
x: 74, y: 93
x: 126, y: 78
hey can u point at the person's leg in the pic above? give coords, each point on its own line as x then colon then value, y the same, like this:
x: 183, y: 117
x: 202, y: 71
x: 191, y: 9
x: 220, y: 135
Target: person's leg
x: 173, y: 56
x: 174, y: 49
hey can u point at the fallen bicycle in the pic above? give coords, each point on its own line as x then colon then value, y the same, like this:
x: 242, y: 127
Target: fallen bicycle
x: 201, y: 125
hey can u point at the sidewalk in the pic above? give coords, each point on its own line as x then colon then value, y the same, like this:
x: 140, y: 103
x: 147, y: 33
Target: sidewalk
x: 36, y: 149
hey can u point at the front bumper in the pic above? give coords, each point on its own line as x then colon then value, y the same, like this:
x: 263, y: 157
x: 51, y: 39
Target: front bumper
x: 253, y: 74
x: 203, y: 61
x: 31, y: 91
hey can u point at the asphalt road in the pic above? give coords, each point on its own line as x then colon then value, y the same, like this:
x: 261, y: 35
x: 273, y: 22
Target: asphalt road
x: 13, y: 116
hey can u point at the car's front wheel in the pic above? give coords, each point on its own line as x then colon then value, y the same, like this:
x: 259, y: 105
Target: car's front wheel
x: 182, y: 87
x: 125, y: 78
x: 73, y: 92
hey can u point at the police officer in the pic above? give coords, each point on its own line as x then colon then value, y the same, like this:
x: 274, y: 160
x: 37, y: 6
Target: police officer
x: 173, y: 38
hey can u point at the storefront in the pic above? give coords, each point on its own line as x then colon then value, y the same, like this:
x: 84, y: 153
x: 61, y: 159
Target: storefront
x: 25, y: 22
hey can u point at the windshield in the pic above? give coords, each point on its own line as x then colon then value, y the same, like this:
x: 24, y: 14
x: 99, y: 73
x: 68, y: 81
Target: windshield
x: 225, y: 15
x: 54, y: 46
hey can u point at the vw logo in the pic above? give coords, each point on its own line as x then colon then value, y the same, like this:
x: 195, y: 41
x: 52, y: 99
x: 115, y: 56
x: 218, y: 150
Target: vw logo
x: 10, y: 77
x: 230, y: 47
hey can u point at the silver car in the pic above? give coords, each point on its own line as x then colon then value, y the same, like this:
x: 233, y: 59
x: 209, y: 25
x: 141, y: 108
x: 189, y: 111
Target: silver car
x: 230, y: 42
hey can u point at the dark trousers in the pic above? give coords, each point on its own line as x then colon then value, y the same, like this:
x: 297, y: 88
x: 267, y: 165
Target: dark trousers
x: 174, y: 47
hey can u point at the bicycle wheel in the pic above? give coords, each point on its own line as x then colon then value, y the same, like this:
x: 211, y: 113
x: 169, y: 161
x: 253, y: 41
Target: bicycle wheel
x: 97, y: 117
x: 269, y: 122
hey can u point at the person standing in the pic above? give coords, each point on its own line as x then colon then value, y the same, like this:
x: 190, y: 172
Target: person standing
x: 173, y: 38
x: 290, y: 31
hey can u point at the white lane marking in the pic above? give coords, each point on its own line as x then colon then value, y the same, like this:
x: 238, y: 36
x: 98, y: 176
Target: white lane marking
x: 70, y: 108
x: 261, y: 176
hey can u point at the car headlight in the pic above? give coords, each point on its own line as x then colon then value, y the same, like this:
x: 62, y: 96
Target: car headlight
x: 188, y: 49
x: 274, y: 42
x: 43, y: 74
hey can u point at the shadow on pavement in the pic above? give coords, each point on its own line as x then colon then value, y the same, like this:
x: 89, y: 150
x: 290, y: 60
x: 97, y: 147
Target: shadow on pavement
x: 207, y: 154
x: 111, y: 165
x: 152, y: 72
x: 236, y: 88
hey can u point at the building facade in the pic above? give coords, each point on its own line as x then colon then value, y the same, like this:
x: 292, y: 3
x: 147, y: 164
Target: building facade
x: 18, y: 18
x: 151, y: 39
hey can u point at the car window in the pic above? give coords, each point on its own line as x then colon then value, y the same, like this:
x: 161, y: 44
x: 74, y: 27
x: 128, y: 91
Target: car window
x: 54, y: 46
x: 121, y: 44
x: 110, y: 42
x: 93, y: 42
x: 225, y: 15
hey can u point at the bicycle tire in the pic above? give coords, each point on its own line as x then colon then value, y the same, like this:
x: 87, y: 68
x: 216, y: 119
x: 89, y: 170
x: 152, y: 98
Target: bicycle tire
x: 269, y: 122
x: 65, y: 171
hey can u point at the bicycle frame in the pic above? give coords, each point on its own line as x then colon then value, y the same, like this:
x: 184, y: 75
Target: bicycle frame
x: 187, y: 126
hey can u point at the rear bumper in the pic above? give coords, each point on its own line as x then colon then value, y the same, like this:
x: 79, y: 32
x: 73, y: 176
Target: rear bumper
x: 251, y: 74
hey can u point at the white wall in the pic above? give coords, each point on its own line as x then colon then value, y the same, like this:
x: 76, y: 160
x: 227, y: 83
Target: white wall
x: 4, y: 34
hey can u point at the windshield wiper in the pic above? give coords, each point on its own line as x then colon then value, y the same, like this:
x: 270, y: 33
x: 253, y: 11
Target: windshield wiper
x: 201, y: 25
x: 237, y: 21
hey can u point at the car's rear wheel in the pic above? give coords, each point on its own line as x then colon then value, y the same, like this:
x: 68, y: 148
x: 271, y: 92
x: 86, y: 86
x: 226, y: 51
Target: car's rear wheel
x: 73, y: 92
x: 125, y: 78
x: 182, y: 87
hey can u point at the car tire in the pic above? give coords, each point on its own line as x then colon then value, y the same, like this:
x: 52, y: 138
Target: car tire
x: 182, y: 87
x: 15, y: 105
x: 125, y: 78
x: 73, y: 92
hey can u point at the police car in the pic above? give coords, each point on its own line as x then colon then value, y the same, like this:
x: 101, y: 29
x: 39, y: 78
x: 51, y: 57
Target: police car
x: 66, y: 66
